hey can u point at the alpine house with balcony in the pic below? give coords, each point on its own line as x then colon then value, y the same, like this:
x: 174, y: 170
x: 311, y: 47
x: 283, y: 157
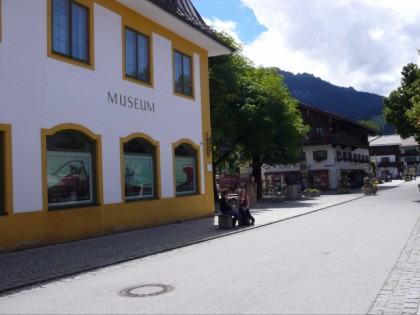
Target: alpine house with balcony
x: 334, y: 154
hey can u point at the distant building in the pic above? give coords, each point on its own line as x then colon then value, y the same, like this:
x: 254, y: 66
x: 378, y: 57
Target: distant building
x: 410, y: 155
x: 104, y: 118
x: 335, y: 153
x: 394, y: 155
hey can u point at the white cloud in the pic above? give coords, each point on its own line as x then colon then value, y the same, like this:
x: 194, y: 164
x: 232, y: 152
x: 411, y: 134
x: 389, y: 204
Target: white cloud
x: 228, y: 27
x: 359, y: 43
x: 376, y: 33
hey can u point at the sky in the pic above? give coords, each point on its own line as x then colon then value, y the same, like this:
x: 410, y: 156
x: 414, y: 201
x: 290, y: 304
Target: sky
x: 362, y: 44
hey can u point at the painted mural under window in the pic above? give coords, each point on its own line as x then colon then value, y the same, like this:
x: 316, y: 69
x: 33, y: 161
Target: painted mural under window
x: 69, y: 177
x: 138, y: 175
x: 185, y: 175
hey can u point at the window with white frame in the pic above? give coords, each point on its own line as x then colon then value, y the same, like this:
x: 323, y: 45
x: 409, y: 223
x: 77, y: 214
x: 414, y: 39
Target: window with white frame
x: 339, y: 157
x: 385, y: 159
x: 320, y: 155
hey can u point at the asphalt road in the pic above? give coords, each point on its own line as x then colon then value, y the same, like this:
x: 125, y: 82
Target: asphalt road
x: 333, y: 261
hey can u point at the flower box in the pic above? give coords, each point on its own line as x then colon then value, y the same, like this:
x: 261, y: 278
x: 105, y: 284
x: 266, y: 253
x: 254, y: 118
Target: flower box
x: 369, y: 191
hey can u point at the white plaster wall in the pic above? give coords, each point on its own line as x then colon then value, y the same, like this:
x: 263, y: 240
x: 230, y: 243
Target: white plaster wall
x: 22, y: 88
x: 39, y: 92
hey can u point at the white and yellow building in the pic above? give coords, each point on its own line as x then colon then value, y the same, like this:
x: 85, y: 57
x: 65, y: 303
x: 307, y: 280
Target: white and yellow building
x: 104, y: 118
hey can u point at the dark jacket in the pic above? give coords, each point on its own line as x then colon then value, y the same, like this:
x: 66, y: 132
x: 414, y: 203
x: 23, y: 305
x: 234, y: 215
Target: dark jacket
x: 224, y: 205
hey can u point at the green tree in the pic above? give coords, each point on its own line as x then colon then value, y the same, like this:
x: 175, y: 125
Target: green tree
x: 369, y: 124
x: 402, y: 105
x: 253, y: 116
x: 225, y: 74
x: 270, y: 123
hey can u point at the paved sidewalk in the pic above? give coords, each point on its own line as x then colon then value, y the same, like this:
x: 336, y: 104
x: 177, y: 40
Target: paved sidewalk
x: 34, y: 266
x: 401, y: 291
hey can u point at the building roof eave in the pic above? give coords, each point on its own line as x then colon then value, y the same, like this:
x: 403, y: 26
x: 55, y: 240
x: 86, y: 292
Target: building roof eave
x: 368, y: 130
x: 182, y: 18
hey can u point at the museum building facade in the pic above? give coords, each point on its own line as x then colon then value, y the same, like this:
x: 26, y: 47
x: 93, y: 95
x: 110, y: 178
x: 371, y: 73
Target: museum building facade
x: 104, y: 118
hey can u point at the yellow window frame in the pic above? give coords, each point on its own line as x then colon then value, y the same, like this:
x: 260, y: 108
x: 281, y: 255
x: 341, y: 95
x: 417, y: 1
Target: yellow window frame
x: 196, y: 149
x: 188, y: 54
x: 98, y: 161
x: 157, y: 164
x: 7, y: 167
x: 90, y: 65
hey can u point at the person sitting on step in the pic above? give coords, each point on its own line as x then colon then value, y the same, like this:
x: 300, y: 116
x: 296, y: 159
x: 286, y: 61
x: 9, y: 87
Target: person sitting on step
x: 243, y: 207
x: 227, y: 209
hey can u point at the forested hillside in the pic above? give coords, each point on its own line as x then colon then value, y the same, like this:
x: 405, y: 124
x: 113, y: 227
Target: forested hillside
x: 342, y: 101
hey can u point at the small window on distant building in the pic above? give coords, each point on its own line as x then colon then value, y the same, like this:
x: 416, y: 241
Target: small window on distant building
x: 320, y: 131
x: 320, y: 155
x: 183, y: 73
x: 384, y: 159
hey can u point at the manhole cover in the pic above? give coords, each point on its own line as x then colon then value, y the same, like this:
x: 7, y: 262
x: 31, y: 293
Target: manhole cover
x: 146, y: 290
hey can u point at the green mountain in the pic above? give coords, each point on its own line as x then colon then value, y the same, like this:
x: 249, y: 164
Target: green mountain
x: 346, y: 102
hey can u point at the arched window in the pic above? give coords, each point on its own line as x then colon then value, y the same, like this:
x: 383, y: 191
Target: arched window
x: 70, y: 169
x: 186, y: 169
x: 139, y: 169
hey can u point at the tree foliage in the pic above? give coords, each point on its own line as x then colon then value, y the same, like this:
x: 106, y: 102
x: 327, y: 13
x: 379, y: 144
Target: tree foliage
x: 253, y: 115
x: 369, y: 124
x: 225, y: 75
x: 402, y: 106
x: 269, y: 121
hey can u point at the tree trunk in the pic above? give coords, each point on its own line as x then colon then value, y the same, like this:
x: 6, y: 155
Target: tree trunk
x: 256, y: 173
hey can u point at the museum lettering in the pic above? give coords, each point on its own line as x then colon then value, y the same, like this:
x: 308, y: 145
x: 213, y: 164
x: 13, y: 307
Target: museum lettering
x: 131, y: 102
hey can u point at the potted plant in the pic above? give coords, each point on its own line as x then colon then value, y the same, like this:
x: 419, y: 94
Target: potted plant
x: 407, y: 177
x: 344, y: 185
x: 311, y: 192
x: 369, y: 187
